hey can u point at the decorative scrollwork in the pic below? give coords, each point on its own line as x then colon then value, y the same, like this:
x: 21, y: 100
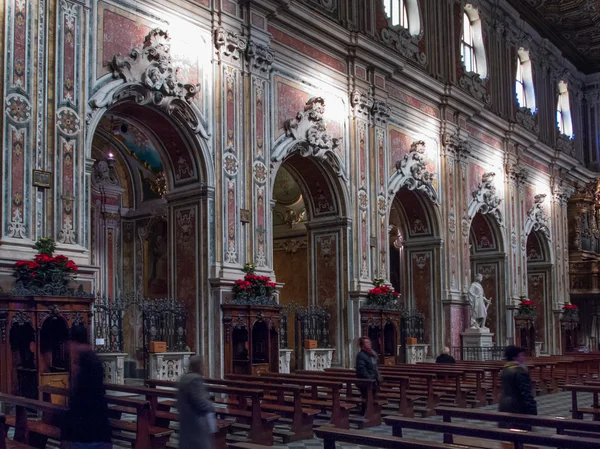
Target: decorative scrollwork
x: 412, y: 172
x: 527, y: 120
x: 537, y: 219
x: 473, y: 84
x: 152, y: 67
x: 51, y: 289
x: 485, y: 199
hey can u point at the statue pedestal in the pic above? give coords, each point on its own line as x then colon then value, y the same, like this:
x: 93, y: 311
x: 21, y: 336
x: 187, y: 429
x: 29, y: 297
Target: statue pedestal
x: 285, y: 356
x: 477, y: 344
x: 416, y: 353
x: 113, y: 364
x: 169, y: 365
x: 318, y: 359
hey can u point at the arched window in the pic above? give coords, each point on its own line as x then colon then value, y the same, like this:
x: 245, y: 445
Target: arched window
x: 404, y: 13
x: 472, y: 49
x: 563, y: 110
x: 524, y: 81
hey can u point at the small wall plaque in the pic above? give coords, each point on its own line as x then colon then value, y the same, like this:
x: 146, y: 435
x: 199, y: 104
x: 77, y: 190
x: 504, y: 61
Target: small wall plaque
x: 42, y: 179
x: 245, y: 215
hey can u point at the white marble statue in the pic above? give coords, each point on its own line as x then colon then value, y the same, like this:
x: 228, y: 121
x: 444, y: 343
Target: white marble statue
x: 479, y: 304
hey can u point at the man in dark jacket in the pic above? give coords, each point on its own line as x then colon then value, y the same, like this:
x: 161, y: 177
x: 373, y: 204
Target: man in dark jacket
x: 197, y: 420
x: 445, y: 356
x: 86, y: 424
x: 366, y: 366
x: 516, y: 394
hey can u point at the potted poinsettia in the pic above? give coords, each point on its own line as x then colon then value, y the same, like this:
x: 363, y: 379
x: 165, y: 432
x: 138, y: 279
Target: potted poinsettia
x: 526, y: 308
x: 570, y: 312
x: 45, y: 269
x: 382, y: 296
x: 254, y: 289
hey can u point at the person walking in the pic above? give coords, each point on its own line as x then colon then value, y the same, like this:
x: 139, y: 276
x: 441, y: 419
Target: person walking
x: 445, y: 356
x: 366, y: 367
x: 516, y: 396
x: 86, y: 424
x: 197, y: 420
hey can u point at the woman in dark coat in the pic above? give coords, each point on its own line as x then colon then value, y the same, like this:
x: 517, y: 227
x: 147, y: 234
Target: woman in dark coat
x: 516, y: 394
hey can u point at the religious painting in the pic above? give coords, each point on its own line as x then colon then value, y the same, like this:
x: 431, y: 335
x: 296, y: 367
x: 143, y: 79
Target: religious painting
x: 156, y: 267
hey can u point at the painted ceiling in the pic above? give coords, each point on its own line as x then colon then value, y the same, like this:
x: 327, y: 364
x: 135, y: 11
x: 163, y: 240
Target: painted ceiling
x: 572, y: 25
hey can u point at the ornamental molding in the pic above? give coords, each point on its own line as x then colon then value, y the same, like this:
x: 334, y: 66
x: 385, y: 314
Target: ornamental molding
x: 230, y: 45
x: 405, y: 43
x: 412, y: 172
x: 380, y: 112
x: 362, y: 104
x: 537, y: 219
x: 457, y: 146
x: 307, y: 135
x: 485, y: 200
x: 260, y: 57
x: 473, y: 84
x: 517, y: 173
x: 104, y: 174
x: 565, y: 144
x: 528, y: 120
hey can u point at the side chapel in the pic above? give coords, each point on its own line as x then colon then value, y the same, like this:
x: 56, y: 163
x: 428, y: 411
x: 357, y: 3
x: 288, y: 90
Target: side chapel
x: 164, y: 145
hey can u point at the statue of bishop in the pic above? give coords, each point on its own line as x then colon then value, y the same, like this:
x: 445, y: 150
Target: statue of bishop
x: 479, y: 304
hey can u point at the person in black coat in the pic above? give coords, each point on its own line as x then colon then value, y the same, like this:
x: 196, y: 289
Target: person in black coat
x: 366, y: 366
x: 445, y: 356
x: 516, y: 396
x: 86, y: 423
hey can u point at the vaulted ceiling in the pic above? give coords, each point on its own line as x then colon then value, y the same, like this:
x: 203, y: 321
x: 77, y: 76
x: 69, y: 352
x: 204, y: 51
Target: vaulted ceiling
x: 572, y: 25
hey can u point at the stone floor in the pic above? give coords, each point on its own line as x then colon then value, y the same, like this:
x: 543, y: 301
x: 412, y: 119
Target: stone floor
x: 558, y: 404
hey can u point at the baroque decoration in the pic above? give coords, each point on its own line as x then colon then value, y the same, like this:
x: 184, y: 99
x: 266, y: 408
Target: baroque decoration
x: 473, y: 84
x: 307, y: 135
x: 527, y: 120
x: 412, y: 172
x: 537, y: 219
x: 485, y: 200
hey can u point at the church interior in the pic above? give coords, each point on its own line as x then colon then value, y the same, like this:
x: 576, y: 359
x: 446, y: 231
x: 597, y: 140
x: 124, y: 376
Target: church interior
x: 262, y: 183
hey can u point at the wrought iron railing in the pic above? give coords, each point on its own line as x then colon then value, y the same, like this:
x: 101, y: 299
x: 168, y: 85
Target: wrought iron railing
x: 480, y: 353
x: 312, y: 323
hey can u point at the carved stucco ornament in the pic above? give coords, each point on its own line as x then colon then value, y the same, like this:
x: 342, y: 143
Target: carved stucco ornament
x: 564, y: 143
x: 473, y: 84
x: 152, y: 66
x: 412, y: 173
x: 104, y: 173
x: 485, y: 200
x: 307, y: 135
x: 537, y: 219
x: 405, y: 43
x: 149, y: 77
x: 527, y: 120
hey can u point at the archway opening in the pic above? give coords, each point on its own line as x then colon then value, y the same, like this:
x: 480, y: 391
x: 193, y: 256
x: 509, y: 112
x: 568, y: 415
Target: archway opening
x: 539, y: 288
x: 488, y: 259
x: 309, y: 253
x: 414, y: 258
x: 147, y: 248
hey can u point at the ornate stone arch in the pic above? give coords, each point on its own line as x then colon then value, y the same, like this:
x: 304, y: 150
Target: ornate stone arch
x: 147, y: 77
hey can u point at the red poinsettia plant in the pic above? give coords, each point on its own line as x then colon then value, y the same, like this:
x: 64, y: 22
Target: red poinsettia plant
x: 45, y: 268
x: 381, y: 295
x: 570, y: 312
x: 253, y: 286
x: 526, y: 306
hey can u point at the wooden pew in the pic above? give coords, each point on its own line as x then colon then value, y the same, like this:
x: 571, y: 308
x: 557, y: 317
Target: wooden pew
x: 330, y: 436
x: 576, y: 411
x: 372, y: 410
x: 261, y: 423
x: 141, y: 434
x: 562, y: 426
x: 162, y: 418
x: 5, y: 443
x: 29, y: 431
x: 340, y: 411
x: 278, y: 396
x: 518, y: 438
